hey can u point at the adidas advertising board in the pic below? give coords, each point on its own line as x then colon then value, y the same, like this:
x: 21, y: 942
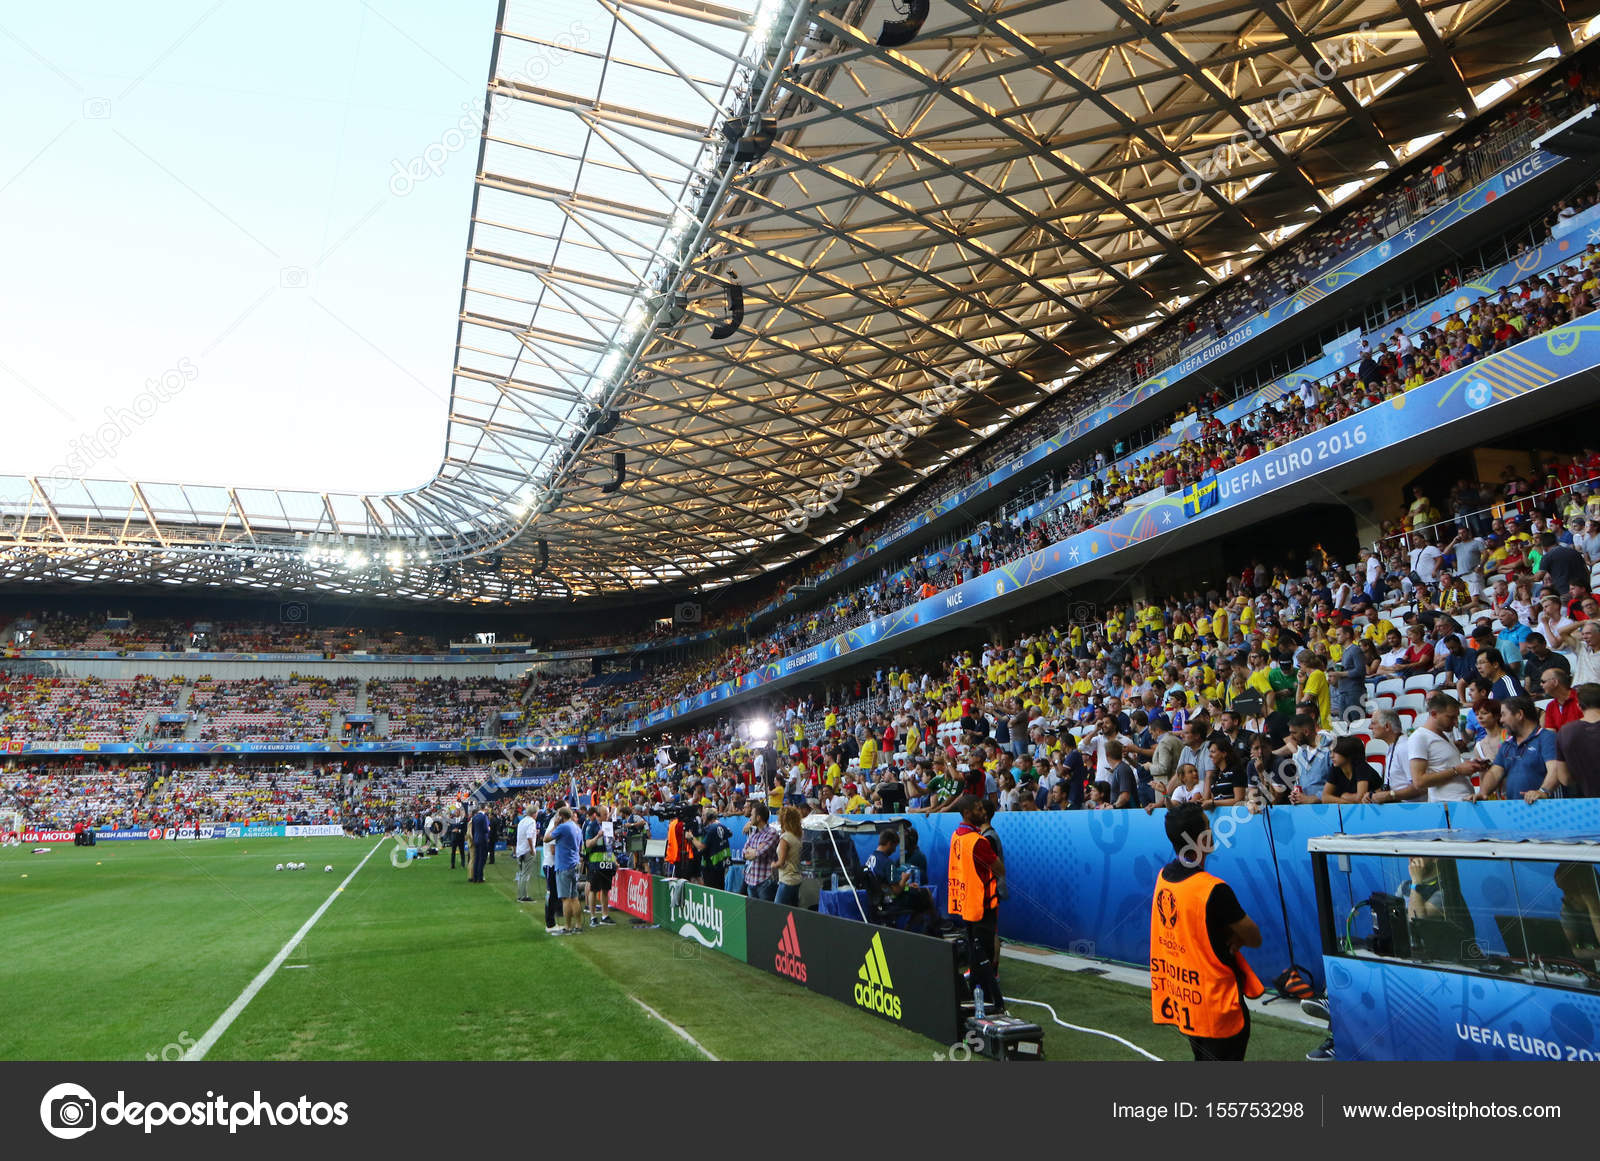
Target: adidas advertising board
x: 874, y: 985
x: 909, y: 980
x: 790, y: 960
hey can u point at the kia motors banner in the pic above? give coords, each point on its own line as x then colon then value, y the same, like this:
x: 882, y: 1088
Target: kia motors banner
x: 713, y: 919
x: 908, y: 980
x: 632, y: 894
x: 47, y: 836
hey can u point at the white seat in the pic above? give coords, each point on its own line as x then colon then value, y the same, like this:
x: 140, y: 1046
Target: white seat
x: 1407, y: 717
x: 1419, y: 683
x: 1411, y: 701
x: 1542, y: 702
x: 1391, y: 685
x: 1442, y: 680
x: 1377, y: 748
x: 1383, y: 701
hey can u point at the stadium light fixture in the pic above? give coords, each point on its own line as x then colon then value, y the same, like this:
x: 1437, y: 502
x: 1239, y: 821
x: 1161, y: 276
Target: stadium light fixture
x: 609, y: 366
x: 900, y: 32
x: 766, y: 19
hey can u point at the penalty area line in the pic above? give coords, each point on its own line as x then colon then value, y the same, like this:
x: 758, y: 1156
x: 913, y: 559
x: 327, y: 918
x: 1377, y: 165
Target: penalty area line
x: 198, y: 1050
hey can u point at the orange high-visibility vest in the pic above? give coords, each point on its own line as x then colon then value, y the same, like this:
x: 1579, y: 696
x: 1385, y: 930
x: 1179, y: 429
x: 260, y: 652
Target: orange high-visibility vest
x: 970, y: 897
x: 675, y: 843
x: 1190, y: 987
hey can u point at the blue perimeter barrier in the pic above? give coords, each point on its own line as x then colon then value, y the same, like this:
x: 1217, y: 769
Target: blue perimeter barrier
x: 1080, y: 881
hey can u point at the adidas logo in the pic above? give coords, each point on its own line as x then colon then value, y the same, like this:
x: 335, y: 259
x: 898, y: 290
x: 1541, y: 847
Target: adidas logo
x: 874, y: 988
x: 789, y: 961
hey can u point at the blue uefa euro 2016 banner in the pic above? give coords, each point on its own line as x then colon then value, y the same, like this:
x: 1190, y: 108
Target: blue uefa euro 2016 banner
x: 309, y: 746
x: 1384, y: 1010
x: 1526, y: 367
x: 1334, y: 279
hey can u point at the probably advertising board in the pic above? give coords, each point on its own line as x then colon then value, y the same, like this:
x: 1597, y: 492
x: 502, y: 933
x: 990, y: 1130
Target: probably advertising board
x: 713, y: 919
x: 632, y: 894
x: 908, y: 980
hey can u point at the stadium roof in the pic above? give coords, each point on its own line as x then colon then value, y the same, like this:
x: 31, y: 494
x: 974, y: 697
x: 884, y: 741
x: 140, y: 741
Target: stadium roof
x: 1007, y: 198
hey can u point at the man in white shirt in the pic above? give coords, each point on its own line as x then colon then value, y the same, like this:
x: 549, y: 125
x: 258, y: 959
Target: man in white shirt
x: 1583, y: 639
x: 1424, y: 558
x: 527, y: 853
x: 1097, y: 745
x: 1436, y: 763
x: 1397, y: 784
x: 1374, y: 569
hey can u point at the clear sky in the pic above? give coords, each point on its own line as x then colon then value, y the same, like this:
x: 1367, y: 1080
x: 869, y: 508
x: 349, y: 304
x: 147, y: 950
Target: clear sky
x: 209, y: 185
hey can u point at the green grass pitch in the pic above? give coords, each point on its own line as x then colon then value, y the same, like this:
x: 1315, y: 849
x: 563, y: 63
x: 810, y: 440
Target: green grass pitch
x: 132, y: 950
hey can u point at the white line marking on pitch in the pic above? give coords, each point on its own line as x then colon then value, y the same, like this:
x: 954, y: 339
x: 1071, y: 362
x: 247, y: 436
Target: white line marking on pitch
x: 680, y: 1031
x: 214, y: 1033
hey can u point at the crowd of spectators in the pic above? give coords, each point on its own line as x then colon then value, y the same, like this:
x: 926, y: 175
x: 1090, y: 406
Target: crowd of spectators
x: 1388, y: 366
x: 88, y: 709
x: 1468, y: 670
x: 437, y: 707
x: 59, y: 796
x: 268, y: 709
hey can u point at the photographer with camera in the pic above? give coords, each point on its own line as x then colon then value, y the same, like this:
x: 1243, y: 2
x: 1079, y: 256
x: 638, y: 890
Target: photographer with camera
x: 635, y: 833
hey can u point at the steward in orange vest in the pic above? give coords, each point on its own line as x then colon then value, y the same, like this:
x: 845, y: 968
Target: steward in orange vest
x: 972, y: 888
x: 1197, y: 977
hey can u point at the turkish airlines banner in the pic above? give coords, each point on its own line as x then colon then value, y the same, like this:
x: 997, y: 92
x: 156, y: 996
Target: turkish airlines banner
x: 631, y: 894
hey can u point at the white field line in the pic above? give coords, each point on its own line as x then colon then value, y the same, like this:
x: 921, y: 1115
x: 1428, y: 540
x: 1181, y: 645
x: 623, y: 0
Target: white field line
x: 214, y: 1033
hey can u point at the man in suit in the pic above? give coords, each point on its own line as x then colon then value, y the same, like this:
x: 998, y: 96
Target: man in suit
x: 480, y: 844
x: 457, y: 834
x: 497, y: 830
